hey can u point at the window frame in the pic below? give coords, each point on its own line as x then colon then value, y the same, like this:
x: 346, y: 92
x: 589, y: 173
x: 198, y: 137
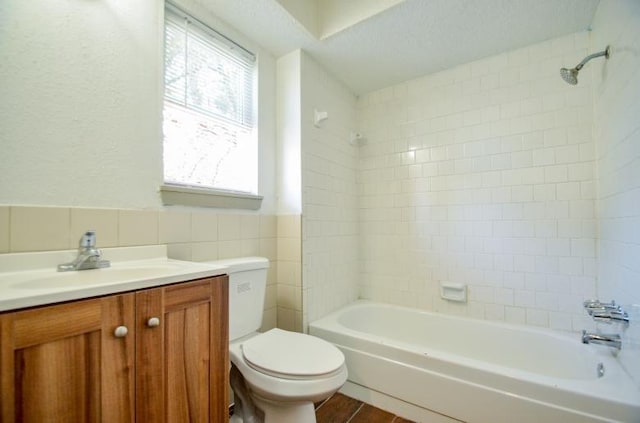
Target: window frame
x: 202, y: 196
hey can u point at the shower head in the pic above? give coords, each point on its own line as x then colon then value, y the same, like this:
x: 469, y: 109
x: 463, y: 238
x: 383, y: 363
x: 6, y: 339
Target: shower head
x: 571, y: 75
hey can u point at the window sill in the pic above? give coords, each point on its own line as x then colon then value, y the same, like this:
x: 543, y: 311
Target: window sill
x: 205, y: 197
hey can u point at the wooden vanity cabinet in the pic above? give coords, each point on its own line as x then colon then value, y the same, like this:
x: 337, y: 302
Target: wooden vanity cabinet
x: 154, y: 355
x: 182, y: 365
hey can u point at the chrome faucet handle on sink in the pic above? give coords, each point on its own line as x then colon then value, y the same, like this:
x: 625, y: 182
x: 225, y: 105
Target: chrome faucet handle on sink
x: 88, y: 240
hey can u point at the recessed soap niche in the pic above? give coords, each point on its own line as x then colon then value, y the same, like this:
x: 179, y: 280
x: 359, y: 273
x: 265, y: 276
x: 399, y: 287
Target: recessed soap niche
x: 452, y: 291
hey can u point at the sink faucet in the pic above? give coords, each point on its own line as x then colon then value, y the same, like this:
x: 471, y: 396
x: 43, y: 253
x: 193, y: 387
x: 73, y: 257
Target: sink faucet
x: 89, y: 257
x: 610, y: 340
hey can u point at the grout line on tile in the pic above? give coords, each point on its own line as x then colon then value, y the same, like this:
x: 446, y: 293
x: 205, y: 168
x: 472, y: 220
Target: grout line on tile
x: 356, y: 412
x: 323, y: 402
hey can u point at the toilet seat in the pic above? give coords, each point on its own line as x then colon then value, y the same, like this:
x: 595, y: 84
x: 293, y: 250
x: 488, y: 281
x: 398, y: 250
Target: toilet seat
x: 291, y: 355
x: 282, y: 388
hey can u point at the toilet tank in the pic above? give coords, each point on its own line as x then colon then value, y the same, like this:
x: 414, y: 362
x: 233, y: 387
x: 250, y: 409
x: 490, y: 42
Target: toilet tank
x: 247, y: 287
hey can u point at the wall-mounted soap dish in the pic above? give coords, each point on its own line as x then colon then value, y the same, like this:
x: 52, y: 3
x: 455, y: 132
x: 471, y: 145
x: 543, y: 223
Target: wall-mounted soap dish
x: 451, y: 291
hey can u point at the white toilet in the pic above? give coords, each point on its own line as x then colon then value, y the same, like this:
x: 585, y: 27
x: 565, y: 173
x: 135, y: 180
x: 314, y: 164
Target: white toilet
x: 276, y: 376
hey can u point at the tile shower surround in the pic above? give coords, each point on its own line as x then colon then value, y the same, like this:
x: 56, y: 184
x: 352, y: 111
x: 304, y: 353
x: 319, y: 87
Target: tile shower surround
x: 617, y: 133
x: 330, y: 240
x: 483, y: 174
x: 496, y: 174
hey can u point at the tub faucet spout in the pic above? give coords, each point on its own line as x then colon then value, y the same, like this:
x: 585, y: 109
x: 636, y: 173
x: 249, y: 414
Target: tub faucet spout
x: 610, y: 340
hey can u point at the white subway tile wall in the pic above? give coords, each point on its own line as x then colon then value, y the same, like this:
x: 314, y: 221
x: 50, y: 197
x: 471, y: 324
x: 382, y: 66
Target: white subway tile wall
x: 616, y: 86
x: 330, y: 242
x: 484, y: 175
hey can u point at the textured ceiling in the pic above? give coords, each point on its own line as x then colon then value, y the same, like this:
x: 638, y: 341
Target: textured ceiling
x: 414, y: 38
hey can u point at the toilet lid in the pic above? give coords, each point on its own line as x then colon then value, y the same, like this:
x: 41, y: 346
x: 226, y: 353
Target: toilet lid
x: 291, y: 354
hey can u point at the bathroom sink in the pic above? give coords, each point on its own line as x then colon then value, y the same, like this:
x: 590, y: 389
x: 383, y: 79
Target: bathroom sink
x: 32, y: 279
x: 120, y: 274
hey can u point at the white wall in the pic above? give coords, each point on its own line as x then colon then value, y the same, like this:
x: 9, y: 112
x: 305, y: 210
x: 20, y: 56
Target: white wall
x: 616, y: 85
x: 337, y: 15
x: 80, y: 120
x: 304, y: 12
x: 483, y: 174
x: 81, y: 103
x: 329, y: 194
x: 289, y: 170
x: 289, y: 179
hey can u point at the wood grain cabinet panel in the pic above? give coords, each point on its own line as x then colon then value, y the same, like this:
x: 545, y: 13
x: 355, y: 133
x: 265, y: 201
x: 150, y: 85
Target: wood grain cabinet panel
x: 182, y: 363
x: 64, y: 363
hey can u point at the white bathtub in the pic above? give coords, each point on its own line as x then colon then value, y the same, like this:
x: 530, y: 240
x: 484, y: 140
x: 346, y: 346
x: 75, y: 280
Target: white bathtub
x: 476, y: 371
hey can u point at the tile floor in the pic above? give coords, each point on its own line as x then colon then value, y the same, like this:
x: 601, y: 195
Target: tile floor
x: 343, y: 409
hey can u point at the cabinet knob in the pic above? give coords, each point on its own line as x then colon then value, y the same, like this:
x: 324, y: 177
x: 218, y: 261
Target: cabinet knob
x: 153, y: 322
x: 120, y: 332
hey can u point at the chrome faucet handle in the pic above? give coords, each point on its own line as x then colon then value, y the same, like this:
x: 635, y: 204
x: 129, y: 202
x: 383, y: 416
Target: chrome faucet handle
x: 88, y: 240
x: 611, y: 316
x: 601, y: 310
x: 596, y: 305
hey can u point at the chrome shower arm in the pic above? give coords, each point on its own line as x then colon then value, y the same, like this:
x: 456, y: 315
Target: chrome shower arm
x: 604, y: 53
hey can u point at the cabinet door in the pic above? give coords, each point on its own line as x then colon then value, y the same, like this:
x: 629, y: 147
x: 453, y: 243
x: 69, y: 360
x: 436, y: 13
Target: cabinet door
x: 63, y: 363
x: 182, y: 354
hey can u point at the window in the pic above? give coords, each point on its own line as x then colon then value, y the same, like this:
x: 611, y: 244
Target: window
x: 209, y: 109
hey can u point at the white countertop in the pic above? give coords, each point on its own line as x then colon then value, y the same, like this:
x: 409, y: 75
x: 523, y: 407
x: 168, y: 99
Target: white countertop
x: 32, y: 279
